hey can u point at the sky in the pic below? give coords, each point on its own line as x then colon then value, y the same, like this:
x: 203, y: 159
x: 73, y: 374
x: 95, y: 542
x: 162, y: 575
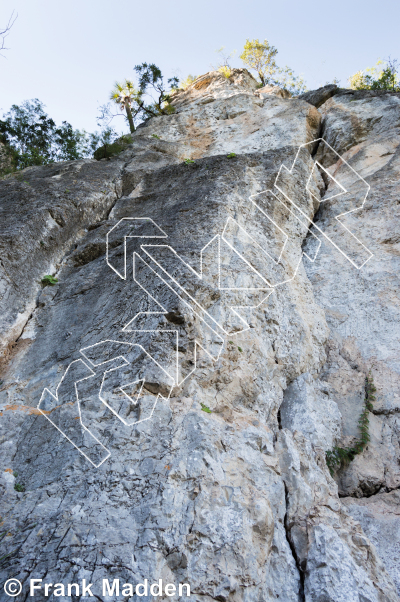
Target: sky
x: 68, y: 54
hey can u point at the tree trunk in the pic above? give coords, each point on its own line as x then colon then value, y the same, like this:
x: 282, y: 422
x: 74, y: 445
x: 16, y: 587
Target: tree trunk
x: 130, y: 118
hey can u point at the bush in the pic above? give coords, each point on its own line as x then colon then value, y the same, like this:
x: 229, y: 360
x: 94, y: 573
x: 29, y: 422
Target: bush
x: 383, y: 76
x: 110, y: 149
x: 49, y: 280
x: 225, y: 70
x: 185, y: 83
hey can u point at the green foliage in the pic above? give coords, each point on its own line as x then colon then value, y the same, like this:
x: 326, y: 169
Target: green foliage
x: 111, y: 148
x: 286, y: 78
x: 231, y: 342
x: 32, y: 137
x: 260, y: 57
x: 138, y: 103
x: 185, y: 83
x: 49, y: 280
x: 188, y: 161
x: 383, y: 76
x: 225, y: 70
x: 240, y: 349
x: 342, y: 456
x: 19, y: 487
x: 231, y: 155
x: 155, y: 136
x: 205, y: 408
x: 151, y: 80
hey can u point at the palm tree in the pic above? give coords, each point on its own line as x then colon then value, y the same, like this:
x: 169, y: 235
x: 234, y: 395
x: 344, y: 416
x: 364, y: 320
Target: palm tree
x: 124, y: 94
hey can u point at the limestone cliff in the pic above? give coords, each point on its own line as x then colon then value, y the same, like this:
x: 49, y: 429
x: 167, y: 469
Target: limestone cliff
x: 167, y: 405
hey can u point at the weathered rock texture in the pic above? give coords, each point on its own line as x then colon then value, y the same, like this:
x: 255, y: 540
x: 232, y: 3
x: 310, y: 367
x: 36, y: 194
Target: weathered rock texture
x: 5, y: 159
x: 238, y: 502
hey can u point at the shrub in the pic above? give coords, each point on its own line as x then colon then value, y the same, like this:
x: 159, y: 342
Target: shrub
x: 110, y: 149
x: 383, y: 76
x: 185, y: 83
x: 49, y: 280
x: 225, y: 70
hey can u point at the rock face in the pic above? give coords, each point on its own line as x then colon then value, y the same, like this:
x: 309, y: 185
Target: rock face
x: 167, y: 405
x: 5, y: 160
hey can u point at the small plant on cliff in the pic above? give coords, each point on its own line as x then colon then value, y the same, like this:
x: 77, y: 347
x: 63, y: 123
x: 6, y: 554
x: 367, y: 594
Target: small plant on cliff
x: 260, y: 57
x: 383, y: 76
x: 231, y: 155
x: 223, y: 65
x: 342, y: 456
x: 188, y: 161
x: 185, y: 83
x: 49, y: 280
x: 109, y: 145
x: 225, y: 70
x: 205, y: 408
x: 19, y: 487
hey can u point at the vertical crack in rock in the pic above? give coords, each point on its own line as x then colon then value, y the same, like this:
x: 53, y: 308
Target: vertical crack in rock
x: 293, y: 548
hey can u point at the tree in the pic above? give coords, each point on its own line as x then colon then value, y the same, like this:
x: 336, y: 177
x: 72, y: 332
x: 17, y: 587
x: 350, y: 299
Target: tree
x: 383, y: 76
x: 31, y: 137
x: 133, y: 100
x: 4, y: 32
x: 124, y: 95
x: 151, y: 80
x: 260, y: 57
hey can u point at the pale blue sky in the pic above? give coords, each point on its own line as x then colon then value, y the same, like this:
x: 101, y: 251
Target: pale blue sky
x: 68, y: 54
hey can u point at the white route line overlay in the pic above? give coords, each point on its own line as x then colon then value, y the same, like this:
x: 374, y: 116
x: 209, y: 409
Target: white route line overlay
x: 368, y: 188
x: 161, y: 234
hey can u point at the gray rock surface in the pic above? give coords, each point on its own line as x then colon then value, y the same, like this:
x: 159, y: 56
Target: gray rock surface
x: 361, y: 308
x: 5, y: 161
x: 216, y: 475
x: 308, y: 407
x: 318, y: 97
x: 379, y: 516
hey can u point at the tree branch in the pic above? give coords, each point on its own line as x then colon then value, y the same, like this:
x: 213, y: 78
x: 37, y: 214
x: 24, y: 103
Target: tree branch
x: 4, y: 32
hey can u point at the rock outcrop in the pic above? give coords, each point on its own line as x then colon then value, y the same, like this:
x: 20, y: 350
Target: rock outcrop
x: 169, y: 419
